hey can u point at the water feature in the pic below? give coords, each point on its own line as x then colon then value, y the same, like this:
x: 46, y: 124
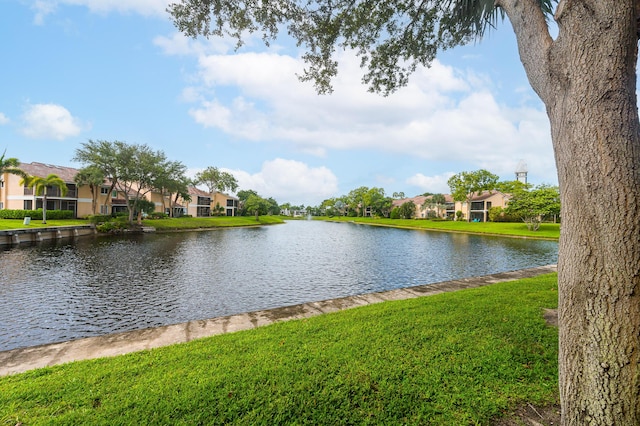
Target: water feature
x: 64, y: 290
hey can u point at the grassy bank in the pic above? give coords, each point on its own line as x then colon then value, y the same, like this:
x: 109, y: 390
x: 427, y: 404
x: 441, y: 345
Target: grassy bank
x: 546, y: 231
x: 6, y: 224
x: 458, y: 358
x: 185, y: 223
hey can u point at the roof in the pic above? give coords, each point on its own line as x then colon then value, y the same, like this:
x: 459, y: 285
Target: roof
x: 198, y: 192
x: 486, y: 194
x: 43, y: 170
x: 419, y: 200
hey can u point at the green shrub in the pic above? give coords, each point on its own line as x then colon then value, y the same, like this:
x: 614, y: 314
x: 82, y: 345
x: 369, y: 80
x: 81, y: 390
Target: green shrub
x: 35, y: 214
x: 498, y: 214
x: 158, y: 215
x: 99, y: 218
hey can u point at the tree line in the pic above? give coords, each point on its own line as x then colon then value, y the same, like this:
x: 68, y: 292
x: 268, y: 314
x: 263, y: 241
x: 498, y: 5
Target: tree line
x: 531, y: 204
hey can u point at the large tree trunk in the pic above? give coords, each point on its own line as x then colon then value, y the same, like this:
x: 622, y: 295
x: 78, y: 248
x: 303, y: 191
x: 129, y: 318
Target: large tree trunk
x: 587, y: 80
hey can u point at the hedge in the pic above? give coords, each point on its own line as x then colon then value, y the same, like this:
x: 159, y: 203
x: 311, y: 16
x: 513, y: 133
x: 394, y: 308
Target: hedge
x: 35, y: 214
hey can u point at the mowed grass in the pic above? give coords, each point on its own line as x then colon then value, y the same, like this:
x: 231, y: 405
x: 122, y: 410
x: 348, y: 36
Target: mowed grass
x: 185, y: 223
x: 546, y: 231
x: 460, y: 358
x: 6, y: 224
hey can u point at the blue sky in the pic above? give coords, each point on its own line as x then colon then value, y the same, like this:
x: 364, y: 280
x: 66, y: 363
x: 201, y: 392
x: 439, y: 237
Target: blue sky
x: 74, y: 70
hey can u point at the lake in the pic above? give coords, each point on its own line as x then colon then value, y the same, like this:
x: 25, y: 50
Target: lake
x: 63, y: 290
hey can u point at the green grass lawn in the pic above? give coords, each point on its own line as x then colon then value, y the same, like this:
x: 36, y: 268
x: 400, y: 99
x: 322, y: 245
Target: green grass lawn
x: 184, y: 223
x: 547, y: 230
x: 6, y: 224
x: 459, y: 358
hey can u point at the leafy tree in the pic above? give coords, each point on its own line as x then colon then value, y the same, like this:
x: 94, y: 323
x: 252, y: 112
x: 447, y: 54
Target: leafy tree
x: 10, y: 165
x: 407, y: 210
x: 532, y: 206
x: 398, y: 195
x: 244, y: 194
x: 379, y: 204
x: 94, y: 178
x: 172, y: 182
x: 134, y: 170
x: 40, y: 185
x: 434, y: 204
x: 465, y: 184
x: 102, y: 155
x: 586, y: 78
x: 215, y: 180
x: 356, y: 200
x: 142, y: 205
x: 256, y: 205
x: 274, y: 208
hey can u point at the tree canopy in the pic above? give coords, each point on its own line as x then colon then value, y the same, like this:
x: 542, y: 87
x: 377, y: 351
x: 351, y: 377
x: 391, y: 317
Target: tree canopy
x: 532, y: 206
x: 216, y: 180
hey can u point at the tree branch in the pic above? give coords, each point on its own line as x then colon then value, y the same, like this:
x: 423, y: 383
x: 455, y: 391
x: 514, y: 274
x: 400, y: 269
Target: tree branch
x: 534, y: 41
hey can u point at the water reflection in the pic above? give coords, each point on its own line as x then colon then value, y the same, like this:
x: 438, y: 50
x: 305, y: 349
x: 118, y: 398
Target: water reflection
x: 65, y: 290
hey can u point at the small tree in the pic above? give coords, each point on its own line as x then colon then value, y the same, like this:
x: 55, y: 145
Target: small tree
x: 407, y: 210
x: 40, y: 185
x: 92, y: 176
x: 532, y: 206
x: 215, y: 180
x: 256, y: 205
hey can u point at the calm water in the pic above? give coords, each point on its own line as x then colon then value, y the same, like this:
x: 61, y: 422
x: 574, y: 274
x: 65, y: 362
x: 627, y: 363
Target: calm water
x: 60, y: 291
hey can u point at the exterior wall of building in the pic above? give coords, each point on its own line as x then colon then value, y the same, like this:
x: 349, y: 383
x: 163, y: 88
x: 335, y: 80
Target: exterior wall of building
x: 480, y: 205
x: 14, y: 194
x: 229, y: 203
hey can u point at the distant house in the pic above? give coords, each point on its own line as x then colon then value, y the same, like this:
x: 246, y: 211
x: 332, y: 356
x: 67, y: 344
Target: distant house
x: 480, y: 205
x: 200, y: 204
x: 425, y: 207
x: 228, y: 202
x: 19, y: 197
x: 204, y: 204
x: 78, y: 198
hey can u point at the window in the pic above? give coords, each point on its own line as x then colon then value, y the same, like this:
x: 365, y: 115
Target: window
x: 104, y: 209
x: 1, y: 205
x: 104, y: 190
x: 28, y: 205
x: 477, y: 205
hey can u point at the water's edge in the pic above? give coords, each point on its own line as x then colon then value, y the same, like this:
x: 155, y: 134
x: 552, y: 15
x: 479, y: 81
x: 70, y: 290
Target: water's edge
x: 24, y: 359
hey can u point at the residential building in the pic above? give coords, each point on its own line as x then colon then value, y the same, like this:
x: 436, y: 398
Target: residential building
x: 481, y: 203
x: 78, y: 199
x: 228, y: 202
x: 15, y: 196
x: 426, y: 208
x: 479, y: 209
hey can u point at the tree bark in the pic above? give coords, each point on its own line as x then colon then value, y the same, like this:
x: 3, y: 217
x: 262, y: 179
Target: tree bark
x: 586, y: 78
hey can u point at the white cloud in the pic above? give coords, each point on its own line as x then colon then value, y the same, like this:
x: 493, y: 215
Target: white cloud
x: 43, y: 8
x: 180, y: 45
x: 50, y: 121
x: 442, y: 115
x: 289, y: 181
x: 436, y: 184
x: 3, y: 119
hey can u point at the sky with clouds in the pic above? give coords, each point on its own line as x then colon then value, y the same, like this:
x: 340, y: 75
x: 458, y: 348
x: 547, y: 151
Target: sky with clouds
x: 75, y: 70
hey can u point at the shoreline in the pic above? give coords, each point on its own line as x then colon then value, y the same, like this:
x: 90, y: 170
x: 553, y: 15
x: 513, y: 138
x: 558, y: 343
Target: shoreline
x: 20, y: 360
